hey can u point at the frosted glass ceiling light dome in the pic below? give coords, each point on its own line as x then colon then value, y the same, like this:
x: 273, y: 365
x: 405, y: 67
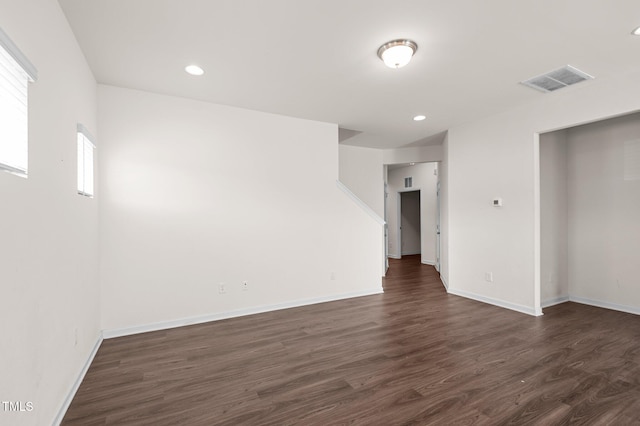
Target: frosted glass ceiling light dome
x: 397, y: 53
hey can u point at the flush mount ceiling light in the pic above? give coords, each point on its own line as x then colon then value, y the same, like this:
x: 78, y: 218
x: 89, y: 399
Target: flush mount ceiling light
x: 397, y: 53
x: 636, y: 31
x: 194, y: 70
x: 419, y: 117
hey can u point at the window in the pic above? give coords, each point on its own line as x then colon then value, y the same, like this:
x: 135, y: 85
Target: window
x: 86, y: 146
x: 15, y: 74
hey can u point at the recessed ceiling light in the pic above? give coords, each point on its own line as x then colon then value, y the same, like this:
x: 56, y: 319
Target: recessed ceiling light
x: 194, y: 70
x: 397, y: 53
x: 419, y: 117
x: 636, y: 31
x: 412, y: 164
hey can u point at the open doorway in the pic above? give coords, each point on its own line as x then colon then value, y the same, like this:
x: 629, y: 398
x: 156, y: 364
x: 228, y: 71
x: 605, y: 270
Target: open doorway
x: 410, y: 223
x: 589, y: 205
x: 417, y: 184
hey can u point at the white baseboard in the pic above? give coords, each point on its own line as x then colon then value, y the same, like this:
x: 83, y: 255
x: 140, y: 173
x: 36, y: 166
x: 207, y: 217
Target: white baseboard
x: 428, y: 262
x: 554, y: 301
x: 501, y: 303
x: 164, y: 325
x: 77, y: 383
x: 606, y: 305
x: 394, y: 256
x: 444, y: 282
x: 597, y: 303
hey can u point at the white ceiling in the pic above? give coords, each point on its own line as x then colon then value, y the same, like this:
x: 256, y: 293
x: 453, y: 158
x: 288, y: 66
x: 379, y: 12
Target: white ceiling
x: 316, y: 59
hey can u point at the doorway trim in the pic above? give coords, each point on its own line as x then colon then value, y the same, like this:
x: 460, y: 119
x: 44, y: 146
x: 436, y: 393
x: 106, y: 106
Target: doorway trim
x: 438, y: 232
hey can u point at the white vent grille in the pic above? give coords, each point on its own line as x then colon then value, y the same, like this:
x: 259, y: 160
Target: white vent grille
x: 557, y: 79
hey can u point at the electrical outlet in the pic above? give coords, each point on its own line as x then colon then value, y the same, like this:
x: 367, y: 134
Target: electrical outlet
x: 333, y: 276
x: 488, y: 276
x: 222, y: 288
x: 245, y: 286
x: 75, y: 337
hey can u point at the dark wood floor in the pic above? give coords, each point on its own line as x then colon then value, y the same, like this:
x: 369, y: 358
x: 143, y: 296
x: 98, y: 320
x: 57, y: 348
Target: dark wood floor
x: 412, y: 356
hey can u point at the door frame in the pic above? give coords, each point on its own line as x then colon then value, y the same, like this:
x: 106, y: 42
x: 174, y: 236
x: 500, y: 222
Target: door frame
x: 437, y: 265
x: 386, y: 226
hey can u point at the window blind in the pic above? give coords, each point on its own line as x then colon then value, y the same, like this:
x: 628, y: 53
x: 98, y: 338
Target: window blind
x: 15, y: 73
x: 86, y: 149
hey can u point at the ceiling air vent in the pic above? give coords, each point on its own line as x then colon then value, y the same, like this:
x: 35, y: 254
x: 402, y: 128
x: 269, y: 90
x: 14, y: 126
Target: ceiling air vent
x: 557, y: 79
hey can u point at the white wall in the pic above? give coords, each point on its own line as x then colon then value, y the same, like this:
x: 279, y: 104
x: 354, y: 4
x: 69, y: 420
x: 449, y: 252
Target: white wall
x: 197, y: 194
x: 48, y: 259
x: 553, y: 218
x: 419, y: 154
x: 361, y: 171
x: 604, y: 207
x: 506, y: 241
x: 425, y: 180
